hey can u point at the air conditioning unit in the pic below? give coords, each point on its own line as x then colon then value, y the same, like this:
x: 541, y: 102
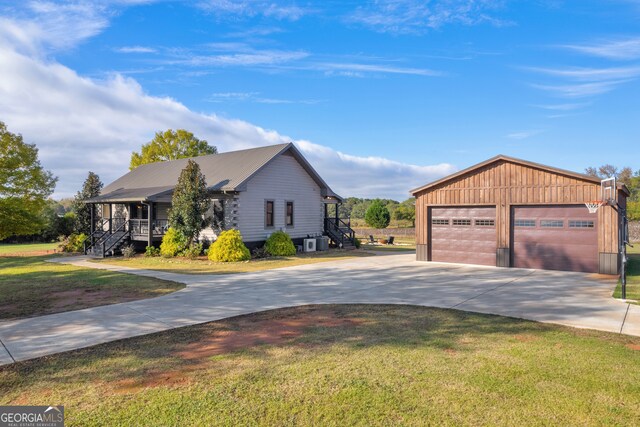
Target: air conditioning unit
x: 309, y: 245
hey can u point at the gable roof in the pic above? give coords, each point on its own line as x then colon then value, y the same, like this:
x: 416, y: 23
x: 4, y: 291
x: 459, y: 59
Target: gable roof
x: 503, y: 158
x: 228, y: 171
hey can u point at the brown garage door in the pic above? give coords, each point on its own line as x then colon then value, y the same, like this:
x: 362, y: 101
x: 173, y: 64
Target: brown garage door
x: 465, y: 235
x: 555, y: 238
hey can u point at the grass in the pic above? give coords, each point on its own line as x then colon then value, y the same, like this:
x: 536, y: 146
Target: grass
x: 26, y: 248
x: 633, y: 275
x: 344, y: 365
x: 29, y: 286
x: 203, y: 266
x: 400, y: 244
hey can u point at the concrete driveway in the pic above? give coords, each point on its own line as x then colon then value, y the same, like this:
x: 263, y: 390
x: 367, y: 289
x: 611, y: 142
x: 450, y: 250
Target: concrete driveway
x: 573, y: 299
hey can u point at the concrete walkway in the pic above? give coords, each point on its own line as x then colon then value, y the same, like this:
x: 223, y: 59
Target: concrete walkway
x: 573, y: 299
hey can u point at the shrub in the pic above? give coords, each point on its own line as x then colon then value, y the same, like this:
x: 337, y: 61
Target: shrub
x: 73, y: 243
x: 193, y: 251
x: 280, y: 244
x: 258, y: 253
x: 377, y: 215
x: 229, y: 248
x: 357, y: 243
x: 173, y: 242
x: 128, y: 251
x: 151, y: 251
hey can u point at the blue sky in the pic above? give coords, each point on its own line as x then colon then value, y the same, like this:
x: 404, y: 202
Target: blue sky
x: 381, y: 96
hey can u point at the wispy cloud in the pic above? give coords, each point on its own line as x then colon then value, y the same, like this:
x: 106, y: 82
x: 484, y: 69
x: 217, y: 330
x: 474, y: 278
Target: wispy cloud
x: 417, y: 16
x: 255, y: 97
x: 524, y: 134
x: 590, y: 74
x: 617, y: 49
x: 564, y: 107
x: 251, y: 8
x: 136, y: 49
x: 581, y: 90
x: 359, y: 69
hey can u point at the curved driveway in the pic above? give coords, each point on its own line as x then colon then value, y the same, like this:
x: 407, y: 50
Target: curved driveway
x: 573, y: 299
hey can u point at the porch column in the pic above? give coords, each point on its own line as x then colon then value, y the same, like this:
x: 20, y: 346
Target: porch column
x: 326, y: 210
x: 337, y: 206
x: 92, y: 208
x: 110, y: 218
x: 149, y: 223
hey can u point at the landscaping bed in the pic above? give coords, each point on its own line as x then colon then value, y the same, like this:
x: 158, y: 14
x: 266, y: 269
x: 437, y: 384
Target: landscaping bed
x: 343, y: 365
x: 202, y: 265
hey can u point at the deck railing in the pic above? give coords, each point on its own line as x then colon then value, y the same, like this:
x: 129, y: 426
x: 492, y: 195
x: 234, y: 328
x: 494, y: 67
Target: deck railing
x: 140, y: 227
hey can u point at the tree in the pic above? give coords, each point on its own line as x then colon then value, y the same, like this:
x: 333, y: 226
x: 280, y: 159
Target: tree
x: 377, y: 215
x: 171, y: 145
x: 406, y: 211
x: 190, y: 203
x: 91, y: 188
x: 24, y: 186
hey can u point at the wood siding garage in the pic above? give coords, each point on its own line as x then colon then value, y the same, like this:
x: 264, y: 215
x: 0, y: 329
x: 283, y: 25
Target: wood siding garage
x: 509, y: 186
x: 464, y: 235
x: 555, y: 238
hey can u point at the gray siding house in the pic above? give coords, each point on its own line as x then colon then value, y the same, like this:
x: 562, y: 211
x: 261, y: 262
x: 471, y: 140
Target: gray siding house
x: 257, y: 191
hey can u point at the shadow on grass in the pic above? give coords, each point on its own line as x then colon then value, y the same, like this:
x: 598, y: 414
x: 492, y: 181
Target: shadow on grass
x: 145, y: 361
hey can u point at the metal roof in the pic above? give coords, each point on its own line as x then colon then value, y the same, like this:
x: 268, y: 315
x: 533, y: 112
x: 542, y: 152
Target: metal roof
x: 228, y: 171
x: 510, y: 160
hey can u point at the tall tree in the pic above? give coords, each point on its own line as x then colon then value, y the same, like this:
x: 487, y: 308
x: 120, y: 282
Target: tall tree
x: 24, y: 186
x: 171, y: 145
x: 377, y: 215
x: 91, y: 188
x: 190, y: 202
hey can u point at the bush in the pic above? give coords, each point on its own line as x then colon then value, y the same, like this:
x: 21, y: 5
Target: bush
x: 128, y: 251
x: 173, y: 243
x: 258, y: 253
x: 280, y: 244
x: 229, y: 248
x: 73, y: 243
x: 357, y: 243
x: 151, y: 251
x: 193, y: 252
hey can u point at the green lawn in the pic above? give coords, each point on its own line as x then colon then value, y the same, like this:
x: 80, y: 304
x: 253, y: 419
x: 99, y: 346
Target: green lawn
x: 344, y: 365
x: 29, y: 286
x: 203, y: 266
x: 633, y: 275
x: 25, y: 248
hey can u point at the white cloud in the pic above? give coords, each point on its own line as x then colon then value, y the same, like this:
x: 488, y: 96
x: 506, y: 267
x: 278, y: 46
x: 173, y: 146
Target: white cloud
x: 618, y: 49
x: 590, y: 74
x: 251, y: 8
x: 417, y: 16
x: 581, y: 90
x: 564, y: 107
x: 136, y: 49
x: 524, y: 134
x: 80, y: 124
x: 357, y: 70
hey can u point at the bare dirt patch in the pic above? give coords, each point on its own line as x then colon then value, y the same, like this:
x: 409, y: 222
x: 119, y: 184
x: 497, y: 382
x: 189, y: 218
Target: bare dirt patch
x: 239, y: 334
x: 635, y: 347
x: 525, y: 338
x: 88, y: 298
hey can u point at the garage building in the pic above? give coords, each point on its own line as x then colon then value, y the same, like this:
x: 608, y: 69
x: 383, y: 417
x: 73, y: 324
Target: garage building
x: 508, y: 212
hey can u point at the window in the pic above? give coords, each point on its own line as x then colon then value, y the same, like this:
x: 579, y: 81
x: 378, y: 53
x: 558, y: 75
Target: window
x: 554, y: 223
x: 485, y: 222
x: 289, y: 214
x: 581, y: 224
x: 439, y: 221
x: 461, y: 222
x: 268, y: 213
x: 524, y: 223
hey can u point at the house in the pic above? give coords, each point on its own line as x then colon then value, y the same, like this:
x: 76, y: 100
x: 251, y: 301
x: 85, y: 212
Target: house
x: 256, y: 191
x: 509, y: 212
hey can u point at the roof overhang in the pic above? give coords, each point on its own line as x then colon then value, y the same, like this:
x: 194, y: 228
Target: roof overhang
x: 503, y: 158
